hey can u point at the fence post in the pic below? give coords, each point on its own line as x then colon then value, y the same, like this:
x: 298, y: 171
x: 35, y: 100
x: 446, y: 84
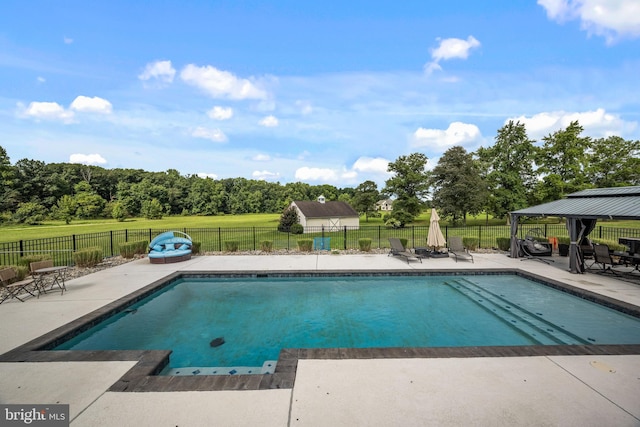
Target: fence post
x: 219, y: 239
x: 111, y: 241
x: 73, y: 240
x: 126, y: 235
x: 254, y: 238
x: 21, y: 248
x: 479, y: 236
x: 345, y: 237
x: 379, y: 237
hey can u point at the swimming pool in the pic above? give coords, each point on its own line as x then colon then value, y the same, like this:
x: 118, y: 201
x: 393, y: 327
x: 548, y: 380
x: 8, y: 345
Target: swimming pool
x: 258, y: 316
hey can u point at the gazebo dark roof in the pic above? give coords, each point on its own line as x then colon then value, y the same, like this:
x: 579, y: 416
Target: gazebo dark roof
x: 613, y: 203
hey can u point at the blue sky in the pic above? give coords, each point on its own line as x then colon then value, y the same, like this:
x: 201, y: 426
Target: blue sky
x: 323, y: 92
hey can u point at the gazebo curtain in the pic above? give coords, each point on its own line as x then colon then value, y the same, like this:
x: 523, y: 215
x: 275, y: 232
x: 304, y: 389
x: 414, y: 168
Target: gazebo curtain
x: 579, y: 229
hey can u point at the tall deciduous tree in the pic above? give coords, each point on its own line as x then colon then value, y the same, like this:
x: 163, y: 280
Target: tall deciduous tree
x: 510, y: 173
x: 563, y: 160
x: 614, y: 162
x: 458, y: 185
x: 365, y: 197
x: 410, y: 185
x: 9, y: 197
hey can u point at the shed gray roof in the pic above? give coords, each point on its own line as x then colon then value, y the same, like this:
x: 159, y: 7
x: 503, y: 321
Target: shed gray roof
x: 325, y: 210
x: 614, y: 203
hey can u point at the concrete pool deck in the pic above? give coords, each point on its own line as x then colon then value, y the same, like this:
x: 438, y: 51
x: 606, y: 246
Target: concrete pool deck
x: 539, y: 390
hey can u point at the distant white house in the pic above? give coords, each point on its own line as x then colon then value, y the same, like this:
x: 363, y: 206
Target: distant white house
x: 384, y: 205
x: 332, y: 215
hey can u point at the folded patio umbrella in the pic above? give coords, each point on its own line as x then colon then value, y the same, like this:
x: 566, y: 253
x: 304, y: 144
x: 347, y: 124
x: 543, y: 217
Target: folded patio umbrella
x: 435, y: 239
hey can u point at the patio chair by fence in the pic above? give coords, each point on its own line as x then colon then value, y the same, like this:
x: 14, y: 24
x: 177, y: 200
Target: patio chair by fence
x: 456, y: 247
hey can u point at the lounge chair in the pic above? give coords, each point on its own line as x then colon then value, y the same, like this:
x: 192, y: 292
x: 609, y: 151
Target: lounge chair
x: 457, y: 249
x: 10, y: 290
x: 168, y: 247
x: 398, y: 249
x: 603, y: 258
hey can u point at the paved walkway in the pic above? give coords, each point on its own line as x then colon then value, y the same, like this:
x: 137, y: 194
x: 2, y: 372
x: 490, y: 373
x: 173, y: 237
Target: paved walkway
x: 549, y: 390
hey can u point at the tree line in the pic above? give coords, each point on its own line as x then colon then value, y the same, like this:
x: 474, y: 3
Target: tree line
x: 513, y: 173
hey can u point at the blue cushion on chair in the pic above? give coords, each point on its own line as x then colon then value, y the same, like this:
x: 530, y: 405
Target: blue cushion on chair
x: 157, y: 248
x: 184, y: 247
x: 169, y: 247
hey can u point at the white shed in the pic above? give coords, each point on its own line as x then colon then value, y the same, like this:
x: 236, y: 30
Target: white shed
x: 332, y: 215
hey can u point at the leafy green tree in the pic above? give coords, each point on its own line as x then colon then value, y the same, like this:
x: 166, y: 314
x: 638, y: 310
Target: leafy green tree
x: 89, y: 203
x: 118, y: 211
x: 614, y: 162
x: 30, y: 213
x: 66, y: 208
x: 205, y: 197
x: 563, y: 161
x: 365, y: 198
x: 410, y: 185
x: 458, y: 185
x: 9, y: 196
x: 509, y: 169
x: 152, y: 209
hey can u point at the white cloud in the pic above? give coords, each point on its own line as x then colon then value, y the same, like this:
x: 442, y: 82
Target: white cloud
x: 161, y: 71
x: 67, y: 40
x: 612, y: 19
x: 207, y: 175
x: 261, y: 158
x: 215, y: 135
x: 596, y: 123
x: 450, y: 49
x: 48, y: 110
x: 220, y: 84
x: 41, y: 79
x: 269, y: 121
x: 305, y: 107
x: 316, y: 174
x: 220, y: 113
x: 87, y: 159
x: 92, y: 105
x: 265, y: 175
x: 457, y: 133
x: 372, y: 165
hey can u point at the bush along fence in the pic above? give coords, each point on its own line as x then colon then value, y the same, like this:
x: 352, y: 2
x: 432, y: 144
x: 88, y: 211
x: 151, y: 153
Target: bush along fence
x: 120, y: 242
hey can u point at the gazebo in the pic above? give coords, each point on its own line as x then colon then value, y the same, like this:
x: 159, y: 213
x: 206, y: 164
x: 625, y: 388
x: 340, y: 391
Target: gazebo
x: 582, y: 210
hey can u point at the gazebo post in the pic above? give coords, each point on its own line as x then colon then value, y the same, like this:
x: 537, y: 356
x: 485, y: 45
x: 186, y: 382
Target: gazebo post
x: 513, y: 248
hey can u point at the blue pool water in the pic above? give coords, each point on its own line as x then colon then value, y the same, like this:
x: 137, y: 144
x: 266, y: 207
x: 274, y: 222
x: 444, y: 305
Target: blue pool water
x: 259, y: 316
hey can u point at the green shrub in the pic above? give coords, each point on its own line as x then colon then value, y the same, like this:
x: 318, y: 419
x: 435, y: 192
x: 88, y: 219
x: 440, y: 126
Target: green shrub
x: 564, y: 240
x: 266, y: 245
x: 305, y: 245
x: 131, y: 249
x: 471, y: 243
x: 25, y: 261
x: 231, y: 246
x: 89, y: 257
x: 296, y: 229
x: 504, y: 243
x: 195, y: 247
x: 365, y: 244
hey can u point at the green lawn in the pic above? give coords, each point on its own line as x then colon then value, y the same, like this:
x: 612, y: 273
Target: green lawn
x: 12, y: 233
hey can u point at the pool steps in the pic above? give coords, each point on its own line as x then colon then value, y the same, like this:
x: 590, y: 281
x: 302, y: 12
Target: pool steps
x: 531, y: 324
x: 267, y: 367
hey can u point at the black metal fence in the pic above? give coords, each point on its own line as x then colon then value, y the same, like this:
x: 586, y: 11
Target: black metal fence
x: 252, y: 238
